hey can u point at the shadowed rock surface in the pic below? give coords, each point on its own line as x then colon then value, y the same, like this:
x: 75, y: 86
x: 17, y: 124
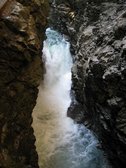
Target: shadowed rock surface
x: 97, y: 31
x: 22, y: 28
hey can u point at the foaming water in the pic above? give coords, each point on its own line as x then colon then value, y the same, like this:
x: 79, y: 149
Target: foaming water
x: 60, y: 142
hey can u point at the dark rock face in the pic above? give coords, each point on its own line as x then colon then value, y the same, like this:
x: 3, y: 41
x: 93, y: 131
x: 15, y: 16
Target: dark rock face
x: 22, y: 27
x: 97, y: 31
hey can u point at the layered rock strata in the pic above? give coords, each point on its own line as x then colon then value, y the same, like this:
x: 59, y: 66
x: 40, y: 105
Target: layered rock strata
x: 22, y: 28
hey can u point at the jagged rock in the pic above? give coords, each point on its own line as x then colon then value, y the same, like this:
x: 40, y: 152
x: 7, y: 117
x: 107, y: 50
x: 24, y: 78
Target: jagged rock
x: 75, y: 111
x: 22, y: 28
x: 99, y: 72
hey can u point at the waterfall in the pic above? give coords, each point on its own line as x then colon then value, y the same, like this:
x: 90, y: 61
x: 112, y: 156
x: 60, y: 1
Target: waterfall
x: 61, y: 143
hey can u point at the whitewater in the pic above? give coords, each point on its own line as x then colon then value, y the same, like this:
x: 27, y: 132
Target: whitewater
x: 60, y: 142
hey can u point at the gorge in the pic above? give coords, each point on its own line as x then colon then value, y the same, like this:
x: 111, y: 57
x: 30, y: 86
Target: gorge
x: 96, y: 29
x: 60, y: 142
x: 91, y: 94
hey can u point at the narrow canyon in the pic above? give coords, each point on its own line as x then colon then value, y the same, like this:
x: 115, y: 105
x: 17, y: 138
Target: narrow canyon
x: 62, y: 83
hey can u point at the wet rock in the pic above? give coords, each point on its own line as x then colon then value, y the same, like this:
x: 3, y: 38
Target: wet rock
x: 120, y: 30
x: 99, y: 70
x: 75, y: 111
x: 22, y: 28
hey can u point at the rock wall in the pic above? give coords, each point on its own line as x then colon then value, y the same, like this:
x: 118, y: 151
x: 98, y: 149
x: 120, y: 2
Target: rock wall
x: 97, y: 31
x: 22, y: 27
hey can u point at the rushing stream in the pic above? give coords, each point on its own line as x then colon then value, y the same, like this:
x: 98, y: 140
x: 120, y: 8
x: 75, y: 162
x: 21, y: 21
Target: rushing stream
x: 60, y: 142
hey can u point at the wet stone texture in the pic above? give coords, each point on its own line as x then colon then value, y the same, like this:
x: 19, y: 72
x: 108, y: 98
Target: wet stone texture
x: 97, y: 31
x: 22, y: 28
